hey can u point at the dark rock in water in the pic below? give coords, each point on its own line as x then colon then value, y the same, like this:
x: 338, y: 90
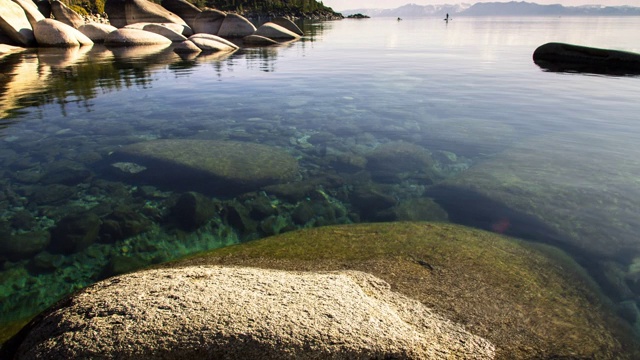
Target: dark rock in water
x: 45, y: 262
x: 397, y: 161
x: 575, y: 58
x: 192, y: 210
x: 260, y: 207
x: 22, y: 220
x: 74, y: 233
x: 628, y: 310
x: 66, y: 173
x: 420, y: 209
x: 20, y: 246
x: 372, y: 201
x: 121, y: 265
x: 303, y: 213
x: 209, y: 166
x: 122, y: 223
x: 52, y: 194
x: 237, y: 216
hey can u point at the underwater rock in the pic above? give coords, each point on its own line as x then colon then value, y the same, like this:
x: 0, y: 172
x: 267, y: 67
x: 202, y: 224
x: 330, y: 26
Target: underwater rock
x: 122, y: 223
x: 211, y: 166
x: 532, y: 301
x: 192, y: 210
x: 396, y: 161
x: 129, y: 167
x: 372, y: 201
x: 468, y: 136
x: 556, y: 188
x: 257, y: 314
x: 121, y: 264
x: 52, y: 194
x: 74, y: 232
x: 22, y: 220
x: 420, y: 209
x: 21, y: 246
x: 66, y: 173
x: 238, y: 217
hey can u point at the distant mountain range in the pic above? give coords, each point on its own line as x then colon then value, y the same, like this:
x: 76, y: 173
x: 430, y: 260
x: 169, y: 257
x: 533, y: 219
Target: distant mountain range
x: 512, y: 8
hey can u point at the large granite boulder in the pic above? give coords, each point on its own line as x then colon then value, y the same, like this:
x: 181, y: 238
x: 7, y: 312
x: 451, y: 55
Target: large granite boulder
x: 531, y: 301
x: 568, y: 57
x: 186, y: 10
x: 167, y: 31
x: 97, y: 32
x: 274, y: 31
x: 50, y: 32
x: 15, y: 24
x: 135, y: 37
x: 210, y: 166
x: 63, y: 14
x: 126, y: 12
x: 235, y: 26
x: 258, y: 40
x: 187, y: 47
x: 288, y: 24
x: 31, y: 10
x: 214, y: 312
x: 208, y: 21
x: 44, y: 6
x: 212, y: 43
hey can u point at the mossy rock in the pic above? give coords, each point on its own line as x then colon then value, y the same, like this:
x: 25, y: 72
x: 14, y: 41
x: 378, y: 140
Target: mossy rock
x: 532, y: 302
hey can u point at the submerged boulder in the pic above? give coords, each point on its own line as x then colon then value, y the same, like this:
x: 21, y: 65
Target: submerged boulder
x: 568, y: 57
x: 208, y: 165
x: 257, y: 314
x: 50, y: 32
x: 531, y: 301
x: 65, y: 15
x: 15, y: 24
x: 399, y: 160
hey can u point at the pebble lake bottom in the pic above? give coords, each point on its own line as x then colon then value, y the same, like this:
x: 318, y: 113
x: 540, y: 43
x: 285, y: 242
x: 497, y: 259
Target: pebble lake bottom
x: 369, y: 120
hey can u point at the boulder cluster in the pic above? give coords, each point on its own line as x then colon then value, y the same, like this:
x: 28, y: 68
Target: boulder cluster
x: 23, y: 23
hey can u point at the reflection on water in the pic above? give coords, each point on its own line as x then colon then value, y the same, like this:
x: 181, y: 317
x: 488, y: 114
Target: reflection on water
x: 115, y: 159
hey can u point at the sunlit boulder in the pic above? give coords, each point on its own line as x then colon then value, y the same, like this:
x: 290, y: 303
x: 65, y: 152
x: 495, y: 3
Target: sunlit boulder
x: 165, y: 31
x: 208, y: 42
x: 97, y: 32
x: 208, y: 21
x: 31, y: 10
x: 288, y: 24
x: 125, y: 12
x: 187, y: 11
x: 63, y: 14
x: 187, y: 47
x: 257, y: 314
x: 132, y: 37
x: 15, y: 23
x: 274, y: 31
x: 50, y: 32
x: 235, y: 26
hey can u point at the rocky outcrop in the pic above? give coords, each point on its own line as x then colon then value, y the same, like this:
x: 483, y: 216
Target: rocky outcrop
x: 65, y: 15
x: 165, y: 31
x: 50, y: 32
x: 258, y: 40
x: 31, y: 10
x: 273, y: 31
x: 212, y: 43
x: 208, y: 21
x: 257, y: 314
x: 187, y: 47
x: 502, y: 289
x: 210, y: 166
x: 134, y: 37
x: 15, y: 24
x: 568, y: 57
x: 126, y: 12
x: 96, y: 32
x: 235, y: 26
x: 187, y: 11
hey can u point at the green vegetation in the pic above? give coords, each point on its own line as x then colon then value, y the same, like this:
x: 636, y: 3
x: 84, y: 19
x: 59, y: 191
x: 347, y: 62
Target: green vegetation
x: 299, y: 7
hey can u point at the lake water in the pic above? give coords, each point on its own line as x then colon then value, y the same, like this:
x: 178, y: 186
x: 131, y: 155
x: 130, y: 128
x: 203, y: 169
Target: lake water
x: 384, y: 120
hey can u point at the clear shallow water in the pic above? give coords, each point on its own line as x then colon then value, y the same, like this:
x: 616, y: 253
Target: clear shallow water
x: 388, y: 120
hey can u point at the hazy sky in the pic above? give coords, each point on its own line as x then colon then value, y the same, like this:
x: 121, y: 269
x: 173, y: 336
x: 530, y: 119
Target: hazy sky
x: 390, y: 4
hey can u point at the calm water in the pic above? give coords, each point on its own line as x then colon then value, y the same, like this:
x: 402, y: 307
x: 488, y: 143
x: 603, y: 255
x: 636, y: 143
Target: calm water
x: 387, y: 120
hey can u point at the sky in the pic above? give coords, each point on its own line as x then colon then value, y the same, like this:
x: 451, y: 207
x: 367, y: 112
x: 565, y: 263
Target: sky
x: 391, y: 4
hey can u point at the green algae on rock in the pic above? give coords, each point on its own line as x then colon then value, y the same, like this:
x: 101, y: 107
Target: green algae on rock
x: 530, y: 303
x: 211, y: 164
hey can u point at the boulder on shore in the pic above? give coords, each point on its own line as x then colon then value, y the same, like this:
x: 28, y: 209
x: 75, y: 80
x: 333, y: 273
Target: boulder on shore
x: 126, y: 12
x: 568, y: 57
x: 208, y: 21
x: 15, y: 24
x: 274, y: 31
x: 97, y: 32
x: 235, y: 26
x: 50, y: 32
x: 257, y: 314
x: 288, y: 24
x: 65, y: 15
x: 31, y: 10
x: 135, y: 37
x: 186, y: 10
x: 212, y: 43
